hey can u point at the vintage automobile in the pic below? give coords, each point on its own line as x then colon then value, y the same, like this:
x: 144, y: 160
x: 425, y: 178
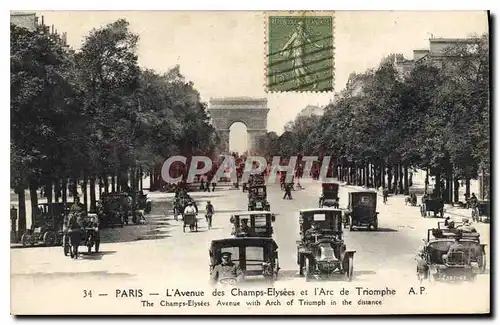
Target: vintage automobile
x: 434, y: 205
x: 114, y: 209
x: 330, y: 195
x: 253, y: 180
x: 322, y: 254
x: 459, y: 266
x: 256, y: 180
x: 260, y: 224
x: 257, y: 198
x: 89, y: 231
x: 47, y: 226
x: 255, y: 256
x: 362, y: 210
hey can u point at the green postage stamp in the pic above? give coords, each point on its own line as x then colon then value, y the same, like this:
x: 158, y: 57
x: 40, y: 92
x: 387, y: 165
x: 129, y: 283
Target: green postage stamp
x: 299, y: 52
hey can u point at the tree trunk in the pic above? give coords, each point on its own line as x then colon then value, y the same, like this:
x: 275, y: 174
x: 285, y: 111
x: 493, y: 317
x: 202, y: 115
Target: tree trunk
x: 367, y: 174
x: 74, y: 188
x: 93, y: 204
x: 467, y: 187
x: 21, y: 223
x: 133, y: 181
x: 456, y: 187
x: 426, y: 180
x: 396, y: 178
x: 437, y: 186
x: 137, y: 179
x: 64, y: 190
x: 106, y: 183
x: 113, y: 183
x: 34, y: 201
x: 49, y: 191
x: 400, y: 182
x: 123, y: 181
x: 57, y: 190
x: 141, y: 180
x: 84, y: 191
x: 389, y: 179
x: 100, y: 185
x: 406, y: 185
x: 374, y: 172
x: 382, y: 175
x: 449, y: 184
x: 151, y: 180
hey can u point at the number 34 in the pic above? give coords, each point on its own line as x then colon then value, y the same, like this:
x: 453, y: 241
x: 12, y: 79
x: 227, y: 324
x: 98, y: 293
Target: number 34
x: 87, y: 293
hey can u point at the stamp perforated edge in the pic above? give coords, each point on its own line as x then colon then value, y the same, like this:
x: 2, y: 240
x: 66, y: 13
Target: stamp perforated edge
x: 266, y: 16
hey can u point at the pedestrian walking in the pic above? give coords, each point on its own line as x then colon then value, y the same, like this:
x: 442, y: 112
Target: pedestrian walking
x: 385, y: 194
x: 288, y: 192
x: 209, y: 208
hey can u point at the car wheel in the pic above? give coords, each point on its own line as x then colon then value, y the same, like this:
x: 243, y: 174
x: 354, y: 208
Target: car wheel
x: 65, y: 246
x: 25, y: 240
x: 49, y: 238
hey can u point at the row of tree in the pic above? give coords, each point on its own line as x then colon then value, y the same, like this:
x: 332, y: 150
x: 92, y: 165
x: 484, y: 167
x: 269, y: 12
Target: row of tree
x: 434, y: 117
x: 92, y: 116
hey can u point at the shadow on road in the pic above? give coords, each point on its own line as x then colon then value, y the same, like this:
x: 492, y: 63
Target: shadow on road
x: 156, y: 227
x: 358, y: 273
x: 288, y: 274
x: 95, y: 256
x: 375, y: 231
x: 229, y: 211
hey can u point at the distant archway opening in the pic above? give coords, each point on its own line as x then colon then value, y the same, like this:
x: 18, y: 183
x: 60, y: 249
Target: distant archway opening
x: 238, y: 138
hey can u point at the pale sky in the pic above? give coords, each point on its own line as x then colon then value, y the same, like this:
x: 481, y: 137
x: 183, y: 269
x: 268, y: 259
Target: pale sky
x: 223, y: 52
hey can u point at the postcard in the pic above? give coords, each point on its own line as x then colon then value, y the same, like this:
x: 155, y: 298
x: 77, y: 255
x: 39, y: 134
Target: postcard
x: 250, y: 163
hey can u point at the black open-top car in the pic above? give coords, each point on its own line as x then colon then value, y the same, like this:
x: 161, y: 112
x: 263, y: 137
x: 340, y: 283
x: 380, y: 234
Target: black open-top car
x: 321, y: 251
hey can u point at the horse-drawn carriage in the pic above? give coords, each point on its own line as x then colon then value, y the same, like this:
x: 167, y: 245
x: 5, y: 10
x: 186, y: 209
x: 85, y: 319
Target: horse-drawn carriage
x: 85, y: 234
x: 255, y: 256
x: 253, y: 224
x: 47, y: 226
x: 436, y: 262
x: 330, y: 195
x: 257, y: 198
x: 321, y: 251
x: 362, y: 210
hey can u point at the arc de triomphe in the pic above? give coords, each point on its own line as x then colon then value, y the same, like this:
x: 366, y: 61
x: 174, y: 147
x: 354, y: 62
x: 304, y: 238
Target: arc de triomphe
x: 250, y: 111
